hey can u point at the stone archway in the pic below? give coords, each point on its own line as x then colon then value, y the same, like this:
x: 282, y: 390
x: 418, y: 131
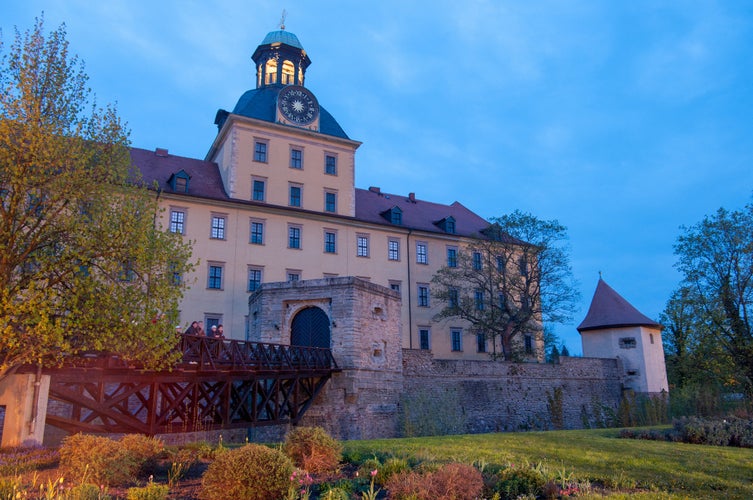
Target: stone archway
x: 310, y: 328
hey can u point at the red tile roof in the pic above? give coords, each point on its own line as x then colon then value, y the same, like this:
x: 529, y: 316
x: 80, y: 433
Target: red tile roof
x: 610, y: 310
x: 159, y: 166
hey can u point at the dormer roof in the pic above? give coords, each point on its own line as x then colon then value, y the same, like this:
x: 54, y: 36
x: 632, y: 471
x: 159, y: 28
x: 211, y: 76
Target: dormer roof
x: 610, y: 310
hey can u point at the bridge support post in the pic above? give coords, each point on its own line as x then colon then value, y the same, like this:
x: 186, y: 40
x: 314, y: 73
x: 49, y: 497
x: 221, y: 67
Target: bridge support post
x: 23, y: 409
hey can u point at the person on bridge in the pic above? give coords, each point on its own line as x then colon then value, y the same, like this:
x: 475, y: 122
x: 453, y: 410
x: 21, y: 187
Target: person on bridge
x: 220, y: 333
x: 194, y: 329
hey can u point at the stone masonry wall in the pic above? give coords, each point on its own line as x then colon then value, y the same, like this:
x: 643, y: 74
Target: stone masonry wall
x: 453, y: 396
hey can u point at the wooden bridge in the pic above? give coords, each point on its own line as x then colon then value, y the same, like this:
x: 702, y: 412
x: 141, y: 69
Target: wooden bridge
x: 218, y: 384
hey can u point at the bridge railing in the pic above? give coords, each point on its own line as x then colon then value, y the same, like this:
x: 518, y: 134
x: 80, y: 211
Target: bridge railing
x: 212, y: 353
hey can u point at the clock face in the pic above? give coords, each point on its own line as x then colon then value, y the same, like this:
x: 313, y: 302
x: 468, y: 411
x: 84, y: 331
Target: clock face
x: 298, y: 105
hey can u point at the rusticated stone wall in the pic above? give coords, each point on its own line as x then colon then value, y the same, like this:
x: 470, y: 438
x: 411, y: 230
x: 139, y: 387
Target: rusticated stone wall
x: 458, y: 396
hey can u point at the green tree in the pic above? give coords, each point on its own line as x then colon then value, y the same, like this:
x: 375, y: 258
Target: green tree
x: 510, y: 281
x: 82, y: 264
x: 716, y: 259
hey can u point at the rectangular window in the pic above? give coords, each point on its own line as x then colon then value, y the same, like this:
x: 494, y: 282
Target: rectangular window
x: 294, y: 237
x: 452, y: 257
x: 423, y: 295
x: 330, y: 202
x: 362, y: 242
x: 628, y: 343
x: 393, y: 250
x: 258, y: 194
x: 479, y: 299
x: 500, y: 264
x: 254, y: 278
x: 421, y: 256
x: 218, y: 227
x: 295, y: 196
x: 296, y: 158
x: 215, y: 277
x: 211, y: 320
x: 177, y: 279
x: 528, y: 340
x: 477, y: 261
x: 423, y: 338
x: 330, y: 242
x: 480, y: 342
x: 260, y: 151
x: 177, y: 221
x: 456, y: 336
x: 452, y: 298
x: 257, y: 232
x: 293, y: 274
x: 395, y: 285
x: 330, y: 164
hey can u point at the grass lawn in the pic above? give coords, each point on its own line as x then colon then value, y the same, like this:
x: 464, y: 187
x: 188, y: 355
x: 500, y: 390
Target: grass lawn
x: 662, y: 469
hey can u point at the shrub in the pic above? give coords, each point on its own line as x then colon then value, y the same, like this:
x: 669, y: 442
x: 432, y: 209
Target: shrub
x: 151, y: 491
x: 518, y: 481
x: 252, y: 472
x: 450, y: 482
x: 389, y: 468
x: 104, y: 461
x: 87, y: 491
x: 313, y: 450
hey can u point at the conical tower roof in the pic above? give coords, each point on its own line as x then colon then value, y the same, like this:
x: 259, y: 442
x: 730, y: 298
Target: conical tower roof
x: 610, y: 310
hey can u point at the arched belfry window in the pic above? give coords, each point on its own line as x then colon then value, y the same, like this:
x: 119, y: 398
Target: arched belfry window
x: 270, y: 72
x: 288, y: 73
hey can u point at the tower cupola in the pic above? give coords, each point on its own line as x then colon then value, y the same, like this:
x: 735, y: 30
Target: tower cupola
x: 280, y: 60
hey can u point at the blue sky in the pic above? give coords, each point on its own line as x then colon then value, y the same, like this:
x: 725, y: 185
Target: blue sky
x: 623, y: 120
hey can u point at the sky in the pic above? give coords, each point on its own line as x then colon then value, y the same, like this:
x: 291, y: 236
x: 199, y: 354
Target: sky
x: 624, y: 121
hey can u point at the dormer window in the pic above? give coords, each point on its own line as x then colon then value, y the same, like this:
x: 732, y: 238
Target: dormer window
x: 179, y: 181
x: 447, y: 224
x: 394, y: 215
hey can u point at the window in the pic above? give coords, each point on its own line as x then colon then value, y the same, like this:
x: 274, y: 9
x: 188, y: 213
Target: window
x: 421, y: 257
x: 528, y: 340
x: 257, y: 232
x: 452, y: 298
x: 423, y: 295
x: 177, y: 221
x: 211, y: 320
x: 295, y: 196
x: 296, y: 158
x: 176, y: 279
x: 330, y: 164
x: 254, y: 278
x: 362, y: 242
x: 452, y: 257
x: 260, y: 152
x: 628, y: 343
x: 477, y: 261
x: 294, y: 237
x: 330, y: 242
x: 395, y: 285
x: 480, y: 342
x: 423, y: 338
x: 218, y: 227
x: 523, y: 264
x: 501, y: 303
x: 393, y: 250
x: 215, y: 276
x: 258, y: 194
x: 293, y: 274
x: 479, y: 299
x: 500, y: 264
x: 456, y: 337
x: 396, y: 216
x: 651, y: 337
x: 449, y: 225
x: 330, y: 201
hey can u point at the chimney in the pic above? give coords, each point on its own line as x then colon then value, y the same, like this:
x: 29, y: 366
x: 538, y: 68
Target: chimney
x: 161, y: 152
x: 412, y: 197
x: 375, y: 189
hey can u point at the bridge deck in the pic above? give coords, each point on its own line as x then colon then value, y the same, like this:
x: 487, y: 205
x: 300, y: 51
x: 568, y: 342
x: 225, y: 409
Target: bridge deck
x: 218, y: 384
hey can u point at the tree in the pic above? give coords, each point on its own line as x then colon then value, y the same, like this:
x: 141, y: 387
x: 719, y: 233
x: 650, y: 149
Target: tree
x: 716, y: 259
x: 82, y: 264
x: 509, y: 281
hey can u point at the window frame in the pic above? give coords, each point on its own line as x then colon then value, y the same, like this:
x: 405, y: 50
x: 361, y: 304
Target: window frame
x: 330, y: 247
x: 295, y: 201
x: 362, y: 250
x: 327, y: 169
x: 255, y: 270
x: 456, y: 339
x: 330, y: 206
x: 477, y: 261
x: 296, y: 157
x: 298, y: 238
x: 263, y: 182
x: 174, y: 225
x: 253, y: 236
x: 261, y: 156
x: 218, y: 231
x: 424, y: 341
x: 423, y: 295
x: 215, y: 275
x: 422, y: 256
x: 393, y: 249
x: 452, y: 256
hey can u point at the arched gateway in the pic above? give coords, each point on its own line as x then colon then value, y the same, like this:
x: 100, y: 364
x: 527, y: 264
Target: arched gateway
x: 310, y: 328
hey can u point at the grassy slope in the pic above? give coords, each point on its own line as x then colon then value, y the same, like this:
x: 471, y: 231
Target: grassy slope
x: 685, y: 470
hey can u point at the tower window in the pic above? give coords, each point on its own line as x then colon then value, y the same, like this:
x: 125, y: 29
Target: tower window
x: 288, y: 73
x: 330, y: 164
x: 260, y: 151
x: 258, y: 194
x: 296, y: 158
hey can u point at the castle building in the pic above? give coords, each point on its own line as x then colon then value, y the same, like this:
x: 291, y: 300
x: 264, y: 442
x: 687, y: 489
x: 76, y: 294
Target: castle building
x: 275, y: 200
x: 613, y: 328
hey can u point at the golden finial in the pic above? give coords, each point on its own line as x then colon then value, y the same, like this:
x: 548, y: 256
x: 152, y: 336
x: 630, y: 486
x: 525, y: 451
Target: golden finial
x: 282, y: 19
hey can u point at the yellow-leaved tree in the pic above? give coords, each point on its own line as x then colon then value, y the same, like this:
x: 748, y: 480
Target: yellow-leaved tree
x: 84, y: 265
